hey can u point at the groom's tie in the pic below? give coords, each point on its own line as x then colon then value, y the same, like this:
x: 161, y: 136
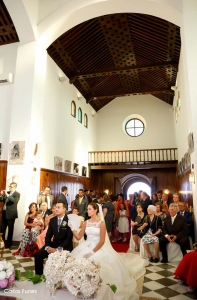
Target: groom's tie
x: 58, y: 224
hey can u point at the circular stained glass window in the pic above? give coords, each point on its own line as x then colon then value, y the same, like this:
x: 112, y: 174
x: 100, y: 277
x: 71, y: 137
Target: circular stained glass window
x: 134, y: 127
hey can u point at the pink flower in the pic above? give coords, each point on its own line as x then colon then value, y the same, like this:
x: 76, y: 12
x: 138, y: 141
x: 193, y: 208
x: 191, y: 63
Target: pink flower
x: 11, y: 279
x: 3, y: 283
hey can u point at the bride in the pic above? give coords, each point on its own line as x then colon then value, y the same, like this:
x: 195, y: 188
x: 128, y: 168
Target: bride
x: 98, y: 248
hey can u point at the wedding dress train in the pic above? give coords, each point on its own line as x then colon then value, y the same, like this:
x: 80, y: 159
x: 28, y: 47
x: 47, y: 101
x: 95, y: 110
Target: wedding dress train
x: 113, y: 268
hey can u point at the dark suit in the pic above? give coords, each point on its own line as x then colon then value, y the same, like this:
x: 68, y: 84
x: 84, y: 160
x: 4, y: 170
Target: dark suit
x: 47, y: 212
x: 146, y: 203
x: 188, y: 216
x: 9, y: 215
x: 63, y: 198
x: 61, y: 238
x: 82, y: 207
x: 168, y: 202
x: 178, y: 228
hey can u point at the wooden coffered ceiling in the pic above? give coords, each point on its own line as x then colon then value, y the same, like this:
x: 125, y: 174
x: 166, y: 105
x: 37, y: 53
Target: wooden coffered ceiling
x: 8, y: 32
x: 120, y: 55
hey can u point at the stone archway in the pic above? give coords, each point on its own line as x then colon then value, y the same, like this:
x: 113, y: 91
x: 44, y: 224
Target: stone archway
x: 128, y: 180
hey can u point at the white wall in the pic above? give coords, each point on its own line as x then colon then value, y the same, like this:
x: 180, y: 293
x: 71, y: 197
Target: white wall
x: 158, y: 115
x: 63, y: 135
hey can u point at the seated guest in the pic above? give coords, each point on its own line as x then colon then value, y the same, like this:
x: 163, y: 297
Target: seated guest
x: 145, y: 201
x: 154, y: 198
x: 186, y: 271
x: 62, y: 237
x: 165, y: 199
x: 44, y: 209
x: 176, y: 198
x: 108, y: 213
x: 154, y: 225
x: 174, y: 230
x: 41, y: 237
x: 29, y: 235
x: 137, y: 221
x: 75, y: 241
x: 159, y: 212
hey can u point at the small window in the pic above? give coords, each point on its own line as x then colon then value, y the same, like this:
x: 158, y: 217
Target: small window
x: 85, y: 120
x: 79, y: 115
x: 134, y: 127
x: 73, y: 109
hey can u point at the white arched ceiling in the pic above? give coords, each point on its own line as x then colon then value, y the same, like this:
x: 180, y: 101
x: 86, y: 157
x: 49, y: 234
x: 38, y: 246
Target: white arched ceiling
x: 75, y: 12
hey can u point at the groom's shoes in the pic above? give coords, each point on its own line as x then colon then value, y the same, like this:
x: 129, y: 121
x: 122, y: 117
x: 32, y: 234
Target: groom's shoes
x: 164, y: 261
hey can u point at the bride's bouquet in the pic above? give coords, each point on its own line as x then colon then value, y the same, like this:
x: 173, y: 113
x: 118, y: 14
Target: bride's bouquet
x: 79, y: 275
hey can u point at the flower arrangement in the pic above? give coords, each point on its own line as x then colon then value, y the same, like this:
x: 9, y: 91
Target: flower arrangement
x: 80, y: 276
x: 56, y: 265
x: 63, y: 224
x: 7, y: 275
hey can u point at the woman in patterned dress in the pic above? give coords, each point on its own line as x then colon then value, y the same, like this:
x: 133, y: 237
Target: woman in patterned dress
x: 154, y: 225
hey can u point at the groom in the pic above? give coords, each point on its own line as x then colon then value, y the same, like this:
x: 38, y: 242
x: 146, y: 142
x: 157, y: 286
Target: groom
x: 60, y: 232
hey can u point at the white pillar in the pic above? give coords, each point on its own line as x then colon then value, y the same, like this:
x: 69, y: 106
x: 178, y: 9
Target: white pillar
x: 189, y: 48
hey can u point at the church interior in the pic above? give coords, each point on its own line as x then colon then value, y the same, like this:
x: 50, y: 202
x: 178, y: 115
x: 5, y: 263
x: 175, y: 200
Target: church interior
x: 99, y: 95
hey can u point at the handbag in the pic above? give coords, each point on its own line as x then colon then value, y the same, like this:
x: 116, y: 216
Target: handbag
x: 143, y: 232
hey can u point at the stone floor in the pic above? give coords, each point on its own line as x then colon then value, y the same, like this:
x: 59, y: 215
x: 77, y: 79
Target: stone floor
x: 159, y: 281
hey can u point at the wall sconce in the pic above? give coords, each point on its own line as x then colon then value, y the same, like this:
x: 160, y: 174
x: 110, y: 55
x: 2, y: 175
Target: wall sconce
x: 15, y: 178
x: 192, y: 177
x: 106, y: 191
x: 166, y: 191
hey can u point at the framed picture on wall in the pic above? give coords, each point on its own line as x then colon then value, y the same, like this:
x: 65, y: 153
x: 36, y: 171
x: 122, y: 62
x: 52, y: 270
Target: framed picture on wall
x: 76, y: 169
x: 58, y: 161
x: 17, y: 152
x: 67, y: 166
x: 190, y: 139
x: 84, y: 171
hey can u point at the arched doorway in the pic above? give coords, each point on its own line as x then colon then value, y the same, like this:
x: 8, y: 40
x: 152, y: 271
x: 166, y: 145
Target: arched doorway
x: 135, y: 187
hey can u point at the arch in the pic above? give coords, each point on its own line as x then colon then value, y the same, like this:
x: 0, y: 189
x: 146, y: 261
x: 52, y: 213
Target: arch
x: 86, y: 120
x: 75, y: 12
x: 80, y: 115
x: 73, y: 109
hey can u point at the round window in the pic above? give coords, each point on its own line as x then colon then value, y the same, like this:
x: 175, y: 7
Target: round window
x: 134, y: 127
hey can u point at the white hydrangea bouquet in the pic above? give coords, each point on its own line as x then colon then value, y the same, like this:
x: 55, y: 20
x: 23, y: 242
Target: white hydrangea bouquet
x: 7, y: 274
x: 80, y: 276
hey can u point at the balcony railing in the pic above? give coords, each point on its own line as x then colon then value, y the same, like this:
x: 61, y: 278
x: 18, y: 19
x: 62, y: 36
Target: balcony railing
x: 133, y: 156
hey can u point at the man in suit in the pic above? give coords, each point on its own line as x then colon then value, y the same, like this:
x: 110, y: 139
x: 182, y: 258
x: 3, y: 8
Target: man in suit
x: 46, y: 197
x: 81, y: 203
x: 174, y: 230
x: 145, y: 201
x: 187, y: 215
x: 165, y: 199
x: 45, y: 211
x: 61, y: 233
x: 10, y: 213
x: 62, y: 196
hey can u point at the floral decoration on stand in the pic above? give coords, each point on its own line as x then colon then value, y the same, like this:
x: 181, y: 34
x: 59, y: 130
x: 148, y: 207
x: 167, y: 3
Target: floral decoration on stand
x: 80, y: 276
x: 7, y: 274
x: 82, y: 279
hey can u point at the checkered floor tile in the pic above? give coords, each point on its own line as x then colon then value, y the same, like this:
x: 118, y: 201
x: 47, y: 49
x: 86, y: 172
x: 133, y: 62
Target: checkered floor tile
x: 159, y: 281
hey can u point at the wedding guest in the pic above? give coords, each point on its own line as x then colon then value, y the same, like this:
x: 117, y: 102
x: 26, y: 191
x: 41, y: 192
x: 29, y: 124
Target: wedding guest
x: 154, y: 226
x: 81, y: 203
x: 165, y: 199
x: 159, y: 212
x: 41, y: 237
x: 123, y: 223
x: 137, y: 221
x: 76, y: 242
x: 176, y: 198
x: 45, y: 196
x: 10, y: 213
x: 108, y: 213
x: 115, y: 219
x: 28, y: 234
x: 62, y: 237
x: 154, y: 198
x: 63, y: 195
x: 44, y: 209
x: 174, y: 230
x: 122, y: 201
x: 145, y: 201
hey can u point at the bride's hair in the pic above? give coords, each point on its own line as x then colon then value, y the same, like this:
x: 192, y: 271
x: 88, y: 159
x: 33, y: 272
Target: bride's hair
x: 95, y: 206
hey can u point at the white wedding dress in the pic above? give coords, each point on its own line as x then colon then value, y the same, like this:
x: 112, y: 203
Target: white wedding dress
x: 113, y: 268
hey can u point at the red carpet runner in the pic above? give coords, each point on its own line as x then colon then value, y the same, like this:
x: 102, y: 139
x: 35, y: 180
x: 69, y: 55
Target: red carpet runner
x: 120, y: 246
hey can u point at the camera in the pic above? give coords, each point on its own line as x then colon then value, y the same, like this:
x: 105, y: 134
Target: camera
x: 8, y: 192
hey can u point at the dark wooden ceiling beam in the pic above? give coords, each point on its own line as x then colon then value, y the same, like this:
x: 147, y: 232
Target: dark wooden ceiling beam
x: 123, y: 70
x: 141, y: 92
